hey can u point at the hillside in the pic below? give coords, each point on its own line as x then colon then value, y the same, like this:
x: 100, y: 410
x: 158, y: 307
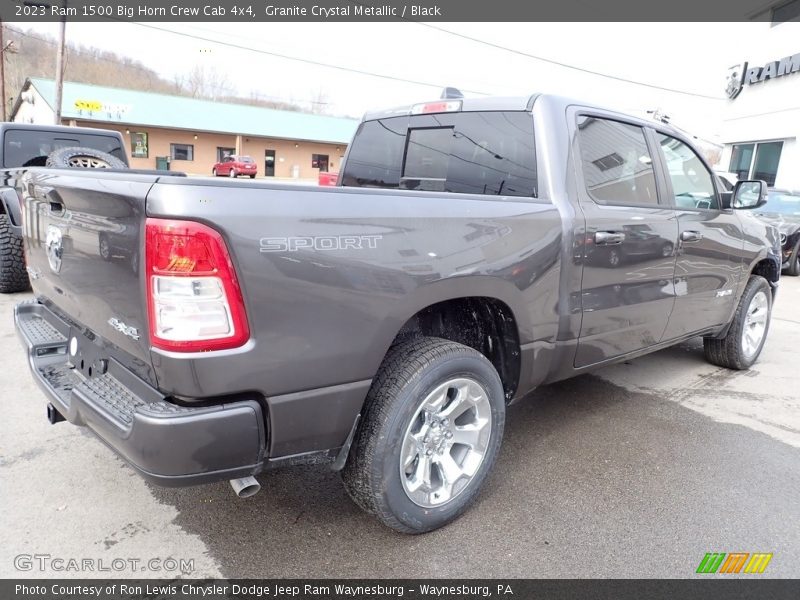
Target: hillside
x: 34, y: 55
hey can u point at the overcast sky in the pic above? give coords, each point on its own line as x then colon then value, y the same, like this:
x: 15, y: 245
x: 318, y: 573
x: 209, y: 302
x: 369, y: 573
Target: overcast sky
x: 688, y: 56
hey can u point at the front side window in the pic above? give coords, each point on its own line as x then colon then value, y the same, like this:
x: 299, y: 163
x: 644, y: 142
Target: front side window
x: 692, y: 183
x: 490, y: 153
x: 617, y: 166
x: 181, y: 151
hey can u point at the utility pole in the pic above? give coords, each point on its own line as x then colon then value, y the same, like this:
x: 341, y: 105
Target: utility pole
x: 60, y: 65
x: 2, y: 72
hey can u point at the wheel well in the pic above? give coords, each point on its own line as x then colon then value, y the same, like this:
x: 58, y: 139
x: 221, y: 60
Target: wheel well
x: 768, y: 269
x: 485, y: 324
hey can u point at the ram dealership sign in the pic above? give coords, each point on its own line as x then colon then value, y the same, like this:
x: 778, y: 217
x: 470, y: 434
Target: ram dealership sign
x: 740, y: 75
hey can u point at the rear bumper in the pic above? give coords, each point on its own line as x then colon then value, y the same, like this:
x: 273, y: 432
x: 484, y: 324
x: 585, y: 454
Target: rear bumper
x: 167, y: 444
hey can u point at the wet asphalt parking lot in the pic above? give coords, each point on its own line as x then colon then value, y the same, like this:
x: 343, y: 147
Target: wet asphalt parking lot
x: 635, y: 471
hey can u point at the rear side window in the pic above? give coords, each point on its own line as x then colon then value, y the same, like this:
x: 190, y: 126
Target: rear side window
x: 489, y: 153
x: 617, y: 166
x: 30, y: 148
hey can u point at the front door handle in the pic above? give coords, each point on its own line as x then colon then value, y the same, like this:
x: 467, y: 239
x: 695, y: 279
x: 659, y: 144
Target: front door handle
x: 608, y: 238
x: 691, y: 236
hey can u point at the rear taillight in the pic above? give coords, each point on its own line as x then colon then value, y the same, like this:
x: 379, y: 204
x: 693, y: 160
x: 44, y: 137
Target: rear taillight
x: 194, y: 302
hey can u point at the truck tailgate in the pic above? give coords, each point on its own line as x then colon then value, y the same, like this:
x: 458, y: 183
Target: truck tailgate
x: 83, y: 243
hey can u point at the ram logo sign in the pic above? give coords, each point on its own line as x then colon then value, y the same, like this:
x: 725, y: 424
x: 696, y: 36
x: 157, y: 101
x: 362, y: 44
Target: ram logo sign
x: 734, y: 562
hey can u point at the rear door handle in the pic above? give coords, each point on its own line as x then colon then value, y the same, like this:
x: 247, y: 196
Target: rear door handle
x: 691, y: 236
x: 608, y: 238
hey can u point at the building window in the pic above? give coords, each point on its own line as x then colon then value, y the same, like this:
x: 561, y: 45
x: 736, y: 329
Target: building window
x: 319, y: 161
x: 789, y: 11
x: 139, y: 144
x: 756, y: 161
x: 223, y: 153
x: 181, y: 151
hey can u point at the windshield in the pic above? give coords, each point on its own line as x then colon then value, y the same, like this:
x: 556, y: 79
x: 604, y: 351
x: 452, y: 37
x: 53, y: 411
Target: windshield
x: 30, y: 148
x: 783, y: 203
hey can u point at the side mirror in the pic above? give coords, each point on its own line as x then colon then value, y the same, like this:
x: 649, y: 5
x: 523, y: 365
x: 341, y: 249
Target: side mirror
x: 749, y: 194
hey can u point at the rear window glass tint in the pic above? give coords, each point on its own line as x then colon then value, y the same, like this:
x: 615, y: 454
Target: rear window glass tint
x: 472, y: 152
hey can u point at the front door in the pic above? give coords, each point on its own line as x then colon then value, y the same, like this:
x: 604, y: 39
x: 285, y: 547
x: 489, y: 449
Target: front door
x: 269, y: 163
x: 629, y: 245
x: 708, y: 267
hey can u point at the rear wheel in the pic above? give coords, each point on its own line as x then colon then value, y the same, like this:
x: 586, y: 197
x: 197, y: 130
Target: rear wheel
x: 429, y: 435
x: 232, y: 173
x: 743, y: 343
x: 13, y: 276
x: 252, y: 176
x: 794, y: 261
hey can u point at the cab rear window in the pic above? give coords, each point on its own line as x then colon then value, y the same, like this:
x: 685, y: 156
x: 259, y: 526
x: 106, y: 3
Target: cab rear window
x: 489, y: 153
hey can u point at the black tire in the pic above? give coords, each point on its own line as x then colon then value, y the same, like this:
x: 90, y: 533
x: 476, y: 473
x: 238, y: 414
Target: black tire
x: 232, y: 173
x: 104, y: 248
x: 66, y: 158
x: 728, y: 352
x: 794, y: 261
x: 408, y: 374
x: 13, y: 276
x: 214, y: 172
x: 252, y: 176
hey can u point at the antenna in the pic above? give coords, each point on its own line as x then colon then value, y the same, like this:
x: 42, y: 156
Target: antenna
x: 451, y: 93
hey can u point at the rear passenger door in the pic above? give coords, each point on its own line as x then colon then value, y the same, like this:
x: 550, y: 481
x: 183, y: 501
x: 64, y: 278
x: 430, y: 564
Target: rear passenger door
x: 630, y: 241
x: 708, y: 267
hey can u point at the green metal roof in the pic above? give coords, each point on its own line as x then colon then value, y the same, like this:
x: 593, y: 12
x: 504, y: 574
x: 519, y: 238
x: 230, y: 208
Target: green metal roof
x: 115, y: 105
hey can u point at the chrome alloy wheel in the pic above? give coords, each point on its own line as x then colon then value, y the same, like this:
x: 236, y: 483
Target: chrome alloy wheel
x: 755, y: 324
x: 446, y: 442
x: 87, y: 162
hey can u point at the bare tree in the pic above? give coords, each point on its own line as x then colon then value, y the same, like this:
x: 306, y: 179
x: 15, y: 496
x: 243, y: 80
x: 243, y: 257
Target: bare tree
x: 205, y: 82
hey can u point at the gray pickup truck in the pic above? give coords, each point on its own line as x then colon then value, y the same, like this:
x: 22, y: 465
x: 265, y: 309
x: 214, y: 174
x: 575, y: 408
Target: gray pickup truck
x: 473, y: 250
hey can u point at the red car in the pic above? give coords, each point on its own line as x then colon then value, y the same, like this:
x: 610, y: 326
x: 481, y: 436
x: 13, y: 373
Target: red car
x: 235, y: 165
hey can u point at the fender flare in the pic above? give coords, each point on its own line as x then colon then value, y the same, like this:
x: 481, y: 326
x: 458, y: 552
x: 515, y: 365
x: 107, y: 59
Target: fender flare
x: 442, y: 290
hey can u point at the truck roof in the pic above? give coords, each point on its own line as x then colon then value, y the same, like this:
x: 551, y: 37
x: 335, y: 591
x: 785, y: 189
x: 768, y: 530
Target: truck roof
x: 516, y: 103
x: 57, y: 128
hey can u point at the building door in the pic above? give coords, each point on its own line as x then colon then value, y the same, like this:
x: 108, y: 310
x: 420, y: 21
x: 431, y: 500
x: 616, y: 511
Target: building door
x: 269, y: 163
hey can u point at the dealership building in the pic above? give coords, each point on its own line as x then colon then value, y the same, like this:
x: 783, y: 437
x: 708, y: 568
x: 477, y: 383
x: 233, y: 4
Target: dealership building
x: 761, y: 118
x: 190, y: 135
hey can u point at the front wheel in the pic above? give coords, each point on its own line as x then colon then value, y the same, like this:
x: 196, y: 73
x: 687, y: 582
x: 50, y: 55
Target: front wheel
x: 429, y: 435
x: 743, y: 343
x: 214, y: 172
x: 794, y: 261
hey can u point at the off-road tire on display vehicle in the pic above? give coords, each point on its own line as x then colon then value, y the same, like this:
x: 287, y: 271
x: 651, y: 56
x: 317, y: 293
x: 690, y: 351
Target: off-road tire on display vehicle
x: 87, y: 158
x: 794, y: 261
x: 395, y: 434
x: 13, y: 276
x: 752, y: 317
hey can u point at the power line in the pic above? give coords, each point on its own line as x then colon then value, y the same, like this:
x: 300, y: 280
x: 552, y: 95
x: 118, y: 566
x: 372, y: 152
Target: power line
x: 302, y: 60
x: 565, y: 65
x: 148, y: 71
